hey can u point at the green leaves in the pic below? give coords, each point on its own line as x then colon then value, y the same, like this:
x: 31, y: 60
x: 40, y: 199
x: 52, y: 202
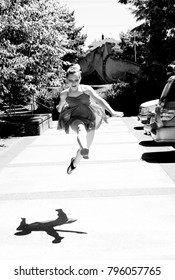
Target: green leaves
x: 35, y: 37
x: 156, y: 29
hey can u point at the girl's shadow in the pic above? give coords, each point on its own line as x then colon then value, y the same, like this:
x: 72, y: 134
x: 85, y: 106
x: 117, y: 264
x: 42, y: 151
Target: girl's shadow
x: 47, y: 226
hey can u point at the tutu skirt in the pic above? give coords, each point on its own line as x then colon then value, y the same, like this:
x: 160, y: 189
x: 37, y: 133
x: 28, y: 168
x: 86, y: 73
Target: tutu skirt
x: 92, y: 116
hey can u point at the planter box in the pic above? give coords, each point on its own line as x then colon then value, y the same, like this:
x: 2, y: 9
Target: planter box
x: 25, y: 125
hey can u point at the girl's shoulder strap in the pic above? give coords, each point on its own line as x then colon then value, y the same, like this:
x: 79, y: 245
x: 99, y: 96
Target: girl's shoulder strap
x: 86, y: 89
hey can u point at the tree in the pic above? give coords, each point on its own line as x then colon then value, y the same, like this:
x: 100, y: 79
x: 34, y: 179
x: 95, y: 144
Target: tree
x: 157, y: 27
x: 132, y: 45
x: 75, y: 41
x: 34, y: 37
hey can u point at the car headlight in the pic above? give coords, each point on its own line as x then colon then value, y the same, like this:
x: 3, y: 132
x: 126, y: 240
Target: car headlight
x: 167, y: 115
x: 144, y: 111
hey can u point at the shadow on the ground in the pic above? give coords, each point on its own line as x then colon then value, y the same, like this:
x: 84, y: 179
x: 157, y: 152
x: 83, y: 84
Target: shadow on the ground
x: 47, y: 226
x: 152, y: 143
x: 159, y: 157
x: 138, y: 127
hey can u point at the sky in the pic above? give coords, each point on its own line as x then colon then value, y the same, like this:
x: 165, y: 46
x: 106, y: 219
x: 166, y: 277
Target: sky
x: 99, y: 17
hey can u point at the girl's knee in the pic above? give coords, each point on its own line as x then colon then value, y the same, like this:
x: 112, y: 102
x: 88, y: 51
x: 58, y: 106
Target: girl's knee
x: 74, y: 126
x: 81, y: 128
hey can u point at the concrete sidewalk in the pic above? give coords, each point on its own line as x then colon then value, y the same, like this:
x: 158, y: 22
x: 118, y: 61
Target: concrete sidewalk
x: 124, y: 204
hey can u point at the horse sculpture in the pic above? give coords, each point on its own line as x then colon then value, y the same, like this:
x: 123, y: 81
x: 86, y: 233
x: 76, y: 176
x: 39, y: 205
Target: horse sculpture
x: 102, y: 66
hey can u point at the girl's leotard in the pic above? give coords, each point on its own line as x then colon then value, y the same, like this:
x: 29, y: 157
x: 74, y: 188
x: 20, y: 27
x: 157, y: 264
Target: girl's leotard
x: 81, y: 108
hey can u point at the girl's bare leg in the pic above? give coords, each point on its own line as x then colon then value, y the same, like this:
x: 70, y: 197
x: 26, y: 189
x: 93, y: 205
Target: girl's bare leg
x: 89, y: 140
x: 82, y: 136
x: 79, y: 128
x: 90, y: 137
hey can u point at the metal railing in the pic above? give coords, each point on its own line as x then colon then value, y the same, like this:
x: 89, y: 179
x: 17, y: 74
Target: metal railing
x: 12, y: 109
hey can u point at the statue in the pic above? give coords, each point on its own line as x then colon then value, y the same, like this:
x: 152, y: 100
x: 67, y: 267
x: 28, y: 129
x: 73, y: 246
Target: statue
x: 102, y: 66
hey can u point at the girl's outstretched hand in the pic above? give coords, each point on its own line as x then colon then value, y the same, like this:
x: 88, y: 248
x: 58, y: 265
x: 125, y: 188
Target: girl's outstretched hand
x: 117, y: 114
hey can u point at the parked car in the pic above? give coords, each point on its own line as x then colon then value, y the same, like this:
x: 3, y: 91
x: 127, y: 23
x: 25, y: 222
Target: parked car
x: 162, y: 121
x: 145, y: 111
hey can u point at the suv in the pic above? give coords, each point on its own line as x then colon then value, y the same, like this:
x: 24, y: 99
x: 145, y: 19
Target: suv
x: 163, y: 120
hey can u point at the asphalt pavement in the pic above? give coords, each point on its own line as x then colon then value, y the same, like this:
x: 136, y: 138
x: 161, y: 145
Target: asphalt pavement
x: 123, y: 197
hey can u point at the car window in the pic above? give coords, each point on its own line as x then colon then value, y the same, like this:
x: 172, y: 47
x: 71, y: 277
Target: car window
x: 165, y: 91
x: 171, y: 93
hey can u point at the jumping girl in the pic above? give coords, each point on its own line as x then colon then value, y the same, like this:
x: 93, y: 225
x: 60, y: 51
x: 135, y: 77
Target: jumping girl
x: 82, y: 110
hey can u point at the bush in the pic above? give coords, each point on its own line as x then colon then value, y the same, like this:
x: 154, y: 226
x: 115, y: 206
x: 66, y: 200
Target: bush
x: 122, y: 97
x: 127, y: 95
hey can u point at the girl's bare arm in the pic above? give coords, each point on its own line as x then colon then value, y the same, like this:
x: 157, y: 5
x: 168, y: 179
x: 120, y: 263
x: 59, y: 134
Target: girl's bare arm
x: 62, y: 102
x: 103, y: 103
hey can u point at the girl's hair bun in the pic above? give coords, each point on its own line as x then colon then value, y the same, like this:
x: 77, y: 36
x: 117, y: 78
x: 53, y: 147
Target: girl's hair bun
x: 73, y: 69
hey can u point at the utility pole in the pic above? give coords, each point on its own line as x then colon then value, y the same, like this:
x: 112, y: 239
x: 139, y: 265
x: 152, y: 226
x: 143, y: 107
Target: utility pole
x: 135, y: 50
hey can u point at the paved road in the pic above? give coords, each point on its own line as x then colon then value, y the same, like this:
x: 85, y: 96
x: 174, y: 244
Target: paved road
x: 123, y: 197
